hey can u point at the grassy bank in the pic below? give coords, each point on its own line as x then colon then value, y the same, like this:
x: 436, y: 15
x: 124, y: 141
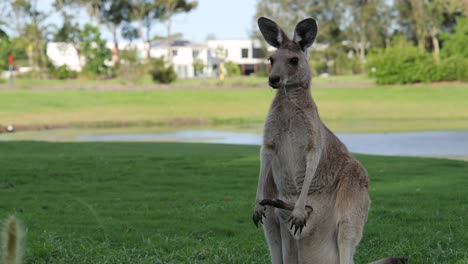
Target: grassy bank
x: 192, y: 203
x: 377, y: 109
x: 146, y: 80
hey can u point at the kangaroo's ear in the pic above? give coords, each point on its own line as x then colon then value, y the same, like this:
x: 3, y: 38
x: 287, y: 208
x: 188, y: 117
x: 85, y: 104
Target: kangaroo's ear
x: 271, y: 32
x: 305, y: 33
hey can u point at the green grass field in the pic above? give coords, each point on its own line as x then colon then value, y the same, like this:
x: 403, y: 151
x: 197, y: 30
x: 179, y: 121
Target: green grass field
x: 192, y: 203
x: 375, y: 109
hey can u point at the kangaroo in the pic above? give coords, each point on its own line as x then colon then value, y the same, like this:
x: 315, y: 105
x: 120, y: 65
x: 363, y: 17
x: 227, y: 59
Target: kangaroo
x: 312, y: 195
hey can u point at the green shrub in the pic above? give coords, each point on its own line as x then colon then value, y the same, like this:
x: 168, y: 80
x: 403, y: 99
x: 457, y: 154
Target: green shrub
x: 161, y: 73
x: 402, y: 63
x: 63, y: 73
x: 261, y: 73
x: 232, y: 69
x: 342, y: 64
x: 130, y: 70
x: 357, y: 67
x: 453, y: 69
x: 335, y: 61
x: 198, y: 66
x: 317, y: 63
x: 412, y: 65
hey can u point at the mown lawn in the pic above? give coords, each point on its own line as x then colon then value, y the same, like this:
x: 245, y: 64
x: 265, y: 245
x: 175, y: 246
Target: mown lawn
x: 375, y: 109
x: 192, y: 203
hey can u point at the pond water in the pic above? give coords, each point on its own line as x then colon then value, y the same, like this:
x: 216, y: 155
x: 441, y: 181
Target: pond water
x: 435, y: 143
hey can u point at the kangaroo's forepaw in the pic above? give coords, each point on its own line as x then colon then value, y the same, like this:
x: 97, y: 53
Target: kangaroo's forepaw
x: 259, y: 213
x: 298, y: 218
x: 278, y: 204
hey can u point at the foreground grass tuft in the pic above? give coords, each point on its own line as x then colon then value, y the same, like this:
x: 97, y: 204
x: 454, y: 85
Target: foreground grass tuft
x: 192, y: 203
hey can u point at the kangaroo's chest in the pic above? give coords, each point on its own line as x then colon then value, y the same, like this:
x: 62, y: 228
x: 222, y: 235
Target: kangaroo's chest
x: 290, y: 137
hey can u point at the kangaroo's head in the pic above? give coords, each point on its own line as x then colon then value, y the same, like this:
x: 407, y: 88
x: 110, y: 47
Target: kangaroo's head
x: 290, y: 62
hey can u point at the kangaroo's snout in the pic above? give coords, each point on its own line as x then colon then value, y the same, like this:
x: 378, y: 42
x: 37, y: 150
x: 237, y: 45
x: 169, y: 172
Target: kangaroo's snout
x: 274, y: 81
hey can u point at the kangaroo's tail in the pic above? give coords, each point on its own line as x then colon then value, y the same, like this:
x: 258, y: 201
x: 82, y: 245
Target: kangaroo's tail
x: 392, y: 260
x: 11, y: 241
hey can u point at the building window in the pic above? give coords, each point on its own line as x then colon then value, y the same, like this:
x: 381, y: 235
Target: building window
x: 195, y: 54
x: 245, y: 53
x: 174, y: 53
x: 258, y: 53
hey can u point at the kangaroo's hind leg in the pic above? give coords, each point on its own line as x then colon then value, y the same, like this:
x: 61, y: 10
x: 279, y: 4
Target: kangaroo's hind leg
x: 271, y: 226
x: 351, y: 208
x: 289, y: 244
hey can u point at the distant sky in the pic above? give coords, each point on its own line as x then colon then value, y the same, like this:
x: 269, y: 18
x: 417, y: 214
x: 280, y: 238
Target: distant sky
x: 225, y: 19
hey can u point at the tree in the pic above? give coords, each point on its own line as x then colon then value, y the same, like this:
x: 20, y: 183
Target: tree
x: 5, y: 49
x: 437, y: 12
x: 144, y: 12
x: 3, y: 34
x: 91, y: 6
x: 113, y: 13
x: 31, y: 23
x: 344, y: 25
x: 424, y: 19
x: 69, y: 32
x: 17, y: 46
x: 455, y: 45
x: 360, y: 15
x: 168, y: 8
x: 95, y: 51
x: 329, y: 15
x: 3, y: 20
x: 129, y: 32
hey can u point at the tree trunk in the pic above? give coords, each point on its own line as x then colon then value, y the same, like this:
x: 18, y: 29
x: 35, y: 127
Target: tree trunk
x: 142, y: 36
x: 42, y: 60
x: 419, y: 18
x: 169, y: 41
x: 170, y: 12
x: 115, y: 52
x: 421, y: 39
x: 435, y: 45
x: 98, y: 19
x: 362, y: 40
x: 145, y: 40
x: 78, y: 52
x: 148, y: 40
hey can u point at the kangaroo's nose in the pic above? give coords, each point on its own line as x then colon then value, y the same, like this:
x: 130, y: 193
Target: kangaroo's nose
x: 274, y: 79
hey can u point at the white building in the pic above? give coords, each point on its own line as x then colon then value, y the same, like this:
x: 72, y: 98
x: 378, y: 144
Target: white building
x: 61, y: 53
x: 184, y: 54
x: 246, y: 53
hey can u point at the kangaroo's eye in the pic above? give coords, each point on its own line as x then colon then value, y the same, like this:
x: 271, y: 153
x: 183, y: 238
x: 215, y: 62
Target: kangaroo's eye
x: 294, y: 61
x: 271, y: 60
